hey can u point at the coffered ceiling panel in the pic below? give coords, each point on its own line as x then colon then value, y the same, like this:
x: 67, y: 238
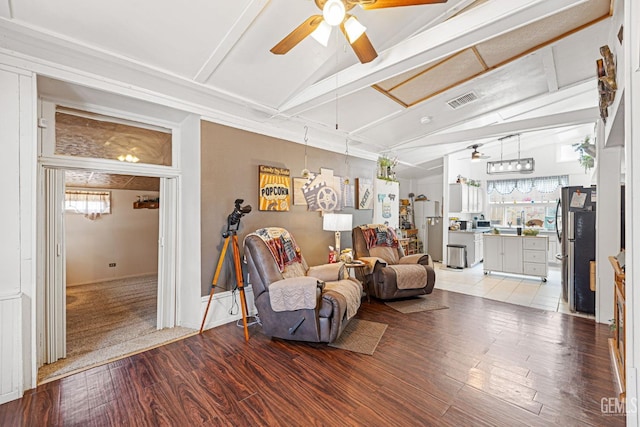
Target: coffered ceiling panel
x: 456, y: 69
x: 425, y: 82
x: 507, y: 46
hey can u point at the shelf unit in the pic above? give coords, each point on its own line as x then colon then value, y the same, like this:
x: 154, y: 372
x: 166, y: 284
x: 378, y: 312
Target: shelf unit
x: 410, y: 242
x: 146, y: 205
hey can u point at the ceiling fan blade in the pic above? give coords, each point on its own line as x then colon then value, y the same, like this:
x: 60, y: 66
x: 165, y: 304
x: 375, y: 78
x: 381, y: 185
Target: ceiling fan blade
x: 362, y: 47
x: 381, y: 4
x: 297, y: 35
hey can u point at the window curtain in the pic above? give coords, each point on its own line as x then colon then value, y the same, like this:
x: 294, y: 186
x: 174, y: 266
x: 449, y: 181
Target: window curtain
x: 92, y: 204
x: 544, y: 184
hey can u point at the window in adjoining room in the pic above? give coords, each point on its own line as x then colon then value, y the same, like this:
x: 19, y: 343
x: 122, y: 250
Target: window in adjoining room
x: 91, y: 204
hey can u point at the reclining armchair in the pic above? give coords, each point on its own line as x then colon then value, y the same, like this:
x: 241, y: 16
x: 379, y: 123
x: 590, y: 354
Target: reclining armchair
x: 295, y: 301
x: 390, y: 274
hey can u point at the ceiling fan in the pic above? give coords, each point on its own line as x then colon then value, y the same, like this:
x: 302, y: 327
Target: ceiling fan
x: 334, y: 13
x: 475, y: 154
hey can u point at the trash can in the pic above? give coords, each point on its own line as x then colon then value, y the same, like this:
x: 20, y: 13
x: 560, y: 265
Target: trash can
x: 456, y: 256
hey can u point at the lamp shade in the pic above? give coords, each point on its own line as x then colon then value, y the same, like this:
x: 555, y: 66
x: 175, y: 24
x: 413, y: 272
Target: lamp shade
x: 354, y: 29
x: 322, y: 33
x: 337, y: 222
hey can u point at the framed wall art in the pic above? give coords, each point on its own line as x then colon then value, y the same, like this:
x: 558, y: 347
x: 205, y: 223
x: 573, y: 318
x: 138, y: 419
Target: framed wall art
x: 274, y: 191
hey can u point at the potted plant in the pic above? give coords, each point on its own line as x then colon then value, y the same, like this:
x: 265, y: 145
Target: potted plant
x: 587, y: 151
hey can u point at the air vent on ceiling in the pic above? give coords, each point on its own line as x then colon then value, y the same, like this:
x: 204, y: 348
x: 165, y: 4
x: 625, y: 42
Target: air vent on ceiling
x: 463, y: 100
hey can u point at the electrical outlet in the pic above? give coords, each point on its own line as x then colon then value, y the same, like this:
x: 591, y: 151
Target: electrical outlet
x: 112, y: 264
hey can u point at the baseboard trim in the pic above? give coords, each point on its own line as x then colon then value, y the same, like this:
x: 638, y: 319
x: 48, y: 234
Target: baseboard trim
x: 110, y: 279
x: 220, y: 312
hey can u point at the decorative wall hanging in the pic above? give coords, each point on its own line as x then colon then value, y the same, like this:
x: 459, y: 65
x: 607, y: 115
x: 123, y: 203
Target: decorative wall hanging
x: 274, y: 190
x: 298, y: 195
x: 607, y: 85
x: 322, y: 191
x: 364, y: 194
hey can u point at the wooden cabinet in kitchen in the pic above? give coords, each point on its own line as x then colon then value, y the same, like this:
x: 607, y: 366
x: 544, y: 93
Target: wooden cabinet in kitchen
x: 516, y: 254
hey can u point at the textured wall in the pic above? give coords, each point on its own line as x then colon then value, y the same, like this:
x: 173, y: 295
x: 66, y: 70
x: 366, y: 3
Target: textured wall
x: 230, y: 160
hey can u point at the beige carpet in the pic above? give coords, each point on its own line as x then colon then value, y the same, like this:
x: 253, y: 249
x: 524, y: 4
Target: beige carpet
x: 414, y: 305
x: 360, y: 336
x: 109, y: 320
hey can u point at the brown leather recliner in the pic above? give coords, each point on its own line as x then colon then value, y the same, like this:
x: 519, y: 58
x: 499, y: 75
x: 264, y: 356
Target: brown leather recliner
x: 390, y: 274
x: 295, y: 301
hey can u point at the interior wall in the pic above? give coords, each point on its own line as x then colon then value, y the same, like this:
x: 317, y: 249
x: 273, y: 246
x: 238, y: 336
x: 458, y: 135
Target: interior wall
x: 127, y: 237
x: 229, y: 162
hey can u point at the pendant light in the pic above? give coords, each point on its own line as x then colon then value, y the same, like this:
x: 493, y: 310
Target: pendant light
x: 346, y: 162
x: 305, y: 172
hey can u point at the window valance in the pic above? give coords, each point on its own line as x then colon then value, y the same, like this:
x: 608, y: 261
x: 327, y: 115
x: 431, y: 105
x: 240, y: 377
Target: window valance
x: 544, y: 184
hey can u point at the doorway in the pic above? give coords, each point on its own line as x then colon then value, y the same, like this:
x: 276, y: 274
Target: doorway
x: 83, y: 153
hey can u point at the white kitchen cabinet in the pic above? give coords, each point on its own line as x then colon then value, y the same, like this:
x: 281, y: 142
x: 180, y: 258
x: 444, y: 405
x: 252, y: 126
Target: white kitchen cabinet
x: 516, y: 254
x: 512, y: 254
x: 458, y: 198
x: 465, y: 198
x: 492, y: 253
x: 472, y: 241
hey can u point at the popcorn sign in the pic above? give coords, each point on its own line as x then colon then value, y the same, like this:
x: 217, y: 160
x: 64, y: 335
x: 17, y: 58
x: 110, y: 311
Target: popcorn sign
x: 274, y: 193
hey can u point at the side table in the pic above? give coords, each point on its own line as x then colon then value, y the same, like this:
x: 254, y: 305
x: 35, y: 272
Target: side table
x: 357, y: 269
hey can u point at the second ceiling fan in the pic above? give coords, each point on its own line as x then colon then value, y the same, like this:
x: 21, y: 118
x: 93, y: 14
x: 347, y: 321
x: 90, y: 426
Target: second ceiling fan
x: 334, y: 13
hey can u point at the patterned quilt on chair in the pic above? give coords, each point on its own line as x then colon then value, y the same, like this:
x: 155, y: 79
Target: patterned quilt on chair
x: 284, y: 249
x: 379, y: 235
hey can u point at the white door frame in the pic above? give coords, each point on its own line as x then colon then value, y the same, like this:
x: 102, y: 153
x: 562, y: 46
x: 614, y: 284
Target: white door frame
x: 52, y: 327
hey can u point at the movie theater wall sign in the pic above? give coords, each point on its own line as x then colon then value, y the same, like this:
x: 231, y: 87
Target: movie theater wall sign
x: 324, y: 191
x: 274, y: 191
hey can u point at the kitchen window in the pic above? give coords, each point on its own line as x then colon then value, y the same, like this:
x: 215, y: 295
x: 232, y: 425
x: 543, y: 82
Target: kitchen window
x: 532, y: 201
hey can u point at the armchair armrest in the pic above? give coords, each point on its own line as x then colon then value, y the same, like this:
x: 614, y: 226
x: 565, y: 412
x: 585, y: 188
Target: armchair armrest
x: 327, y: 272
x: 295, y: 293
x: 423, y: 259
x: 372, y: 262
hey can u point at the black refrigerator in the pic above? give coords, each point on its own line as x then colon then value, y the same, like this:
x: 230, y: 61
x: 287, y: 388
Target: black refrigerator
x: 576, y: 228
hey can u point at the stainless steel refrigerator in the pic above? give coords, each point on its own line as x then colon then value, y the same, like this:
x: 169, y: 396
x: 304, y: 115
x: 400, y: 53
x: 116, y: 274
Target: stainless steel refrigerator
x: 576, y: 229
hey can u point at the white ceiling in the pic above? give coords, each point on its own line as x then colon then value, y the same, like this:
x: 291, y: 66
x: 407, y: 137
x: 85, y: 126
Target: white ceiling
x: 212, y: 58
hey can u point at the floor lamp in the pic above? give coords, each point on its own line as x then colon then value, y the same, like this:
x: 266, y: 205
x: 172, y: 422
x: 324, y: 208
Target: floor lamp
x: 337, y: 223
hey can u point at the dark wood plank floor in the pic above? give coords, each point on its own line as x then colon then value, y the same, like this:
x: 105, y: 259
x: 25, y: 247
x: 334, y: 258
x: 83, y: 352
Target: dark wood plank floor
x: 479, y: 363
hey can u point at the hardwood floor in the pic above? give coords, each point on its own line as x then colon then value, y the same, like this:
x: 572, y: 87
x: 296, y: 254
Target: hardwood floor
x: 480, y: 362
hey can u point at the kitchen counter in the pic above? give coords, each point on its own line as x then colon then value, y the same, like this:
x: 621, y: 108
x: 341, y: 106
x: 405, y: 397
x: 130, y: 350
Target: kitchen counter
x: 510, y: 253
x: 514, y: 230
x: 472, y: 241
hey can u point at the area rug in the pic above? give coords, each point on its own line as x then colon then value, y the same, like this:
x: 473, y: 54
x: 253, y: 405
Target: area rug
x: 360, y: 336
x: 110, y: 320
x: 415, y: 305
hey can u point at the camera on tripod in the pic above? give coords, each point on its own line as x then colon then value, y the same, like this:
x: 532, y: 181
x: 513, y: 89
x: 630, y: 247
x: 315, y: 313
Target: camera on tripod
x: 234, y: 217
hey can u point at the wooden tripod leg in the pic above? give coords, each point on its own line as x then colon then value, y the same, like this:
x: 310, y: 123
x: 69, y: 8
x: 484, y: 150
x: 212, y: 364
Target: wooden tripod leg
x: 240, y: 282
x: 214, y: 283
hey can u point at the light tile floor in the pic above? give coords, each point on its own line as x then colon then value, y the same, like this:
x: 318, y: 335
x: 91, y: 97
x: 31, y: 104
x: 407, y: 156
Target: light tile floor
x: 514, y: 289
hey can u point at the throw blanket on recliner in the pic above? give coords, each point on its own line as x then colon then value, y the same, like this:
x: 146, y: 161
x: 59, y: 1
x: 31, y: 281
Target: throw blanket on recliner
x: 410, y: 276
x: 284, y: 249
x: 379, y: 235
x: 350, y: 290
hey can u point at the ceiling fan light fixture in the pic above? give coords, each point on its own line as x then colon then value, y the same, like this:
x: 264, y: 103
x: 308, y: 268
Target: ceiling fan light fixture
x: 475, y: 156
x: 354, y: 29
x: 333, y: 12
x: 322, y: 33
